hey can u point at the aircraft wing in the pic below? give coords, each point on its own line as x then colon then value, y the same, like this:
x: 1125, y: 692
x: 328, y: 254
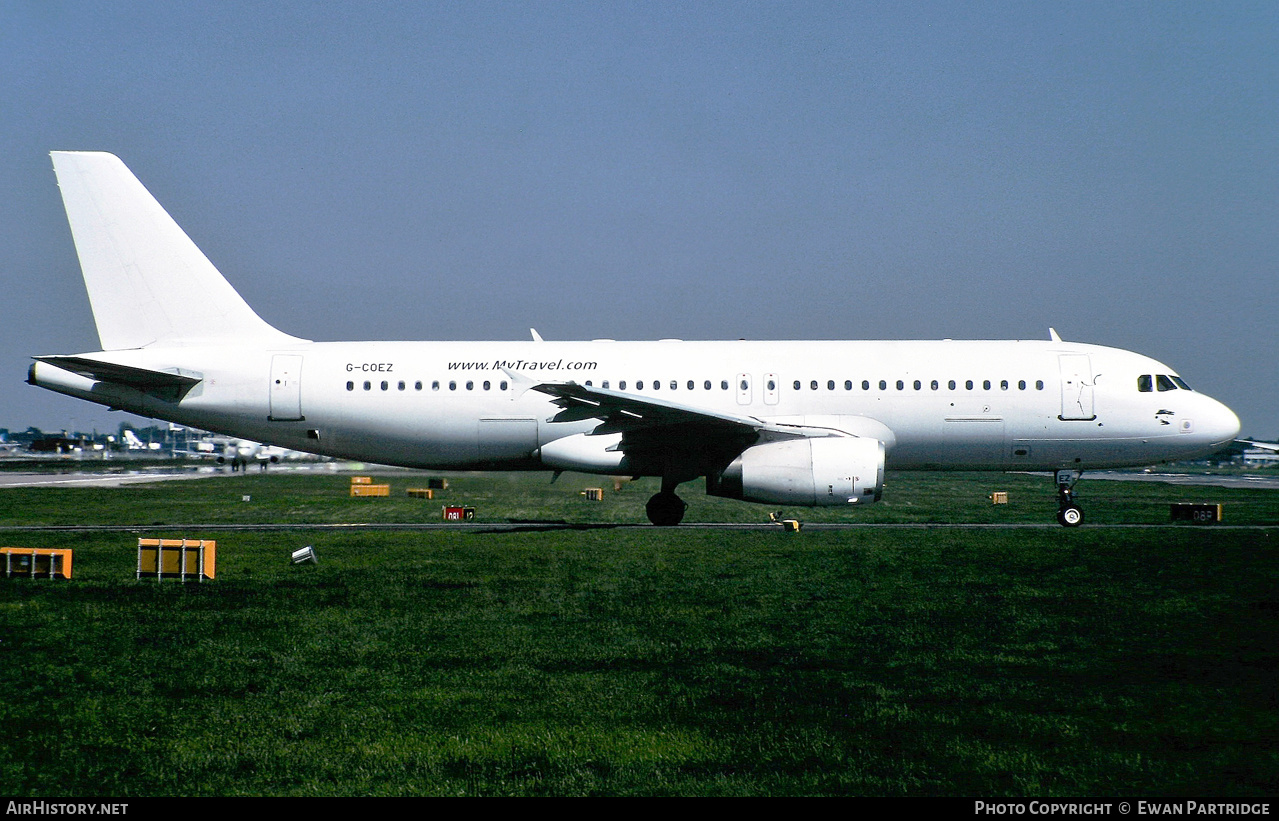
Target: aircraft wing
x: 624, y: 412
x: 662, y: 435
x: 657, y: 435
x: 1263, y: 445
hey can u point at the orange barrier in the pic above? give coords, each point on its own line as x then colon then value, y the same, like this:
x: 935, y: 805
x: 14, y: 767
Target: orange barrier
x: 184, y: 559
x: 36, y: 562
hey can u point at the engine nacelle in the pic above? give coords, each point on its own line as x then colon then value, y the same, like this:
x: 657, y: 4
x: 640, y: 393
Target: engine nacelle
x: 822, y: 472
x: 588, y: 454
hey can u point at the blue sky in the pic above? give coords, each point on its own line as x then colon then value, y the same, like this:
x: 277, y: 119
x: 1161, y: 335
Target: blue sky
x: 694, y: 170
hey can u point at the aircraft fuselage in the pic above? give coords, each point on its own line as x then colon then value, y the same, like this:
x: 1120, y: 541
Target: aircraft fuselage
x: 1034, y: 405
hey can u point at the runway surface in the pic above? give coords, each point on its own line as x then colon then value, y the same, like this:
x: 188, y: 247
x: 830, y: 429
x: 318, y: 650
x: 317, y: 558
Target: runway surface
x: 540, y: 526
x: 108, y: 478
x: 1269, y: 481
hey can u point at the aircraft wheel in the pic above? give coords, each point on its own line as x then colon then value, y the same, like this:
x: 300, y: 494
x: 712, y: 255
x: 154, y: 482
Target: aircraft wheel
x: 1070, y: 516
x: 665, y: 509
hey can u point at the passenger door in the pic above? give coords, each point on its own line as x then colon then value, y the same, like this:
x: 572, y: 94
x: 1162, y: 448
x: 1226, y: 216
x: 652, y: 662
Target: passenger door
x: 1076, y: 387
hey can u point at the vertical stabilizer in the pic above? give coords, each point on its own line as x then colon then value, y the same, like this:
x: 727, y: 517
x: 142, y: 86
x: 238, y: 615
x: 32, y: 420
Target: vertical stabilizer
x: 148, y: 283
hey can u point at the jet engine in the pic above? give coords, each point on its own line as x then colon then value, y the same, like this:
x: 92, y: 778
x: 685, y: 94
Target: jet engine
x: 823, y: 472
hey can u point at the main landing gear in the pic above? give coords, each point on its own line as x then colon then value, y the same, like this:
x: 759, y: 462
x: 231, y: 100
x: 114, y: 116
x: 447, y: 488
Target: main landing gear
x: 666, y: 509
x: 1069, y: 514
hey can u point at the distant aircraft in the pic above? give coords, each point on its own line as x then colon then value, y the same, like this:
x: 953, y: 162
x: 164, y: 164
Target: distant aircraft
x: 132, y: 442
x: 782, y: 423
x: 241, y: 452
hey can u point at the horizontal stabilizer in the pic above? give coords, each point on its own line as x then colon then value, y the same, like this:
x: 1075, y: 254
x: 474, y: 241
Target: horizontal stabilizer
x: 145, y: 380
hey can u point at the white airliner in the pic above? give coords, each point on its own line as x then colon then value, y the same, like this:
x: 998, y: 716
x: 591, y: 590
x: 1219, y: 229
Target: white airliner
x: 782, y: 423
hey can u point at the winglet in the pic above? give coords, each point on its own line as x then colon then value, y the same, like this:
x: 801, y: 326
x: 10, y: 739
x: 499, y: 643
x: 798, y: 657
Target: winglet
x: 536, y: 336
x: 520, y: 384
x: 1052, y: 335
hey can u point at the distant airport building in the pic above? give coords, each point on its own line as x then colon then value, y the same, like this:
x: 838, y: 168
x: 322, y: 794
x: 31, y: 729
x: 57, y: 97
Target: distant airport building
x: 1258, y: 457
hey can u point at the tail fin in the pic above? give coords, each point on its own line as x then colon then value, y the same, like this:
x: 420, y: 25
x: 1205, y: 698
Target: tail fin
x: 148, y: 283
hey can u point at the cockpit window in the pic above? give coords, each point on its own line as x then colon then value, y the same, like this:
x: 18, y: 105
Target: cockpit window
x: 1163, y: 383
x: 1181, y: 383
x: 1144, y: 383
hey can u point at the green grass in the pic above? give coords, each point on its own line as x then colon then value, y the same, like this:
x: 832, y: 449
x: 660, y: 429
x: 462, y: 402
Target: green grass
x: 322, y: 498
x: 645, y: 661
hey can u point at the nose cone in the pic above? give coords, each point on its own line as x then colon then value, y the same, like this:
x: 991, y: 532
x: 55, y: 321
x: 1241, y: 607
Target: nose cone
x: 1219, y: 425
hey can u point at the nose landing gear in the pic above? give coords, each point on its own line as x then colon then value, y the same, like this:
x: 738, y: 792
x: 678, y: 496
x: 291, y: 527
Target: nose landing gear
x: 1069, y: 514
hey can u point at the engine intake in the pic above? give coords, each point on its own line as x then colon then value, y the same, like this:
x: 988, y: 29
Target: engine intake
x: 824, y: 472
